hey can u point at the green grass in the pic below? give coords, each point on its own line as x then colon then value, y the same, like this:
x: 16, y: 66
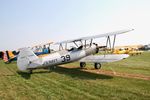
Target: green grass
x: 75, y: 84
x: 139, y: 64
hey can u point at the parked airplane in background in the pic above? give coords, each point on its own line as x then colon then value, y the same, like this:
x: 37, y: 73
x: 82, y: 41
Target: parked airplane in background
x: 130, y: 51
x: 27, y: 59
x: 39, y: 50
x: 8, y: 56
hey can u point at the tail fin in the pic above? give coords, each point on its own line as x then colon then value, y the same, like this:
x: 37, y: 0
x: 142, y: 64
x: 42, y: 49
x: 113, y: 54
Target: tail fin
x: 8, y: 56
x: 25, y: 57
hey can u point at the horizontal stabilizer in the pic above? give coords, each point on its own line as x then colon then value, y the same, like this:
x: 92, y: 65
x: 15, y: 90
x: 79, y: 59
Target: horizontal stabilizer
x: 104, y: 58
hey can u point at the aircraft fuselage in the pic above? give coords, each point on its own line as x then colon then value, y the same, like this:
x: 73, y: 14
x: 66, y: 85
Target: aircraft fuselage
x: 62, y: 57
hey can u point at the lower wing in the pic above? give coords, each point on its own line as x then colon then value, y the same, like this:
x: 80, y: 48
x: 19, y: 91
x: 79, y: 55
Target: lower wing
x: 104, y: 58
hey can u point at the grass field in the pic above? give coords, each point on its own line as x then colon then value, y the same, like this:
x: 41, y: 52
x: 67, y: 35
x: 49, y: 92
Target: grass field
x: 73, y: 83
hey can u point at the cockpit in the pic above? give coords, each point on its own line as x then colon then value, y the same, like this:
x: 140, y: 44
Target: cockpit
x: 74, y: 48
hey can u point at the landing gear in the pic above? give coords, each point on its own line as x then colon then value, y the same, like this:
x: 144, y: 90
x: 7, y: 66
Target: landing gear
x: 82, y: 64
x: 49, y: 69
x: 30, y: 72
x: 97, y: 65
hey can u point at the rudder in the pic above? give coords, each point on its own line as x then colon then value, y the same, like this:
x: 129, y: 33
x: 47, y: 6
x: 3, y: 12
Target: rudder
x: 25, y: 57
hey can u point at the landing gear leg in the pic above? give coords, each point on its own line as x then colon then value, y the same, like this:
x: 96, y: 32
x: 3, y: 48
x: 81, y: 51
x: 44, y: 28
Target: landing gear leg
x: 82, y: 64
x: 97, y: 65
x: 49, y: 69
x: 30, y: 72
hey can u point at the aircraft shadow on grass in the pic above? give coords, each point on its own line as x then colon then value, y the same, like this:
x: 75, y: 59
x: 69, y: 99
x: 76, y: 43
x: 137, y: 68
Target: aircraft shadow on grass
x: 78, y: 73
x: 73, y: 72
x: 25, y: 75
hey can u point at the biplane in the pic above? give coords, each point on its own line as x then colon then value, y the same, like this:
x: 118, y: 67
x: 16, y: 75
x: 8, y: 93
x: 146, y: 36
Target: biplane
x: 80, y: 51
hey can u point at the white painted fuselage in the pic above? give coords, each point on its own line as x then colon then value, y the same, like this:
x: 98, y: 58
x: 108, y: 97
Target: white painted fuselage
x: 58, y: 58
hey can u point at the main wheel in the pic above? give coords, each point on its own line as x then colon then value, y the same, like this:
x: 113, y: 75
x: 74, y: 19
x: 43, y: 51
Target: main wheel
x: 97, y: 65
x: 82, y: 64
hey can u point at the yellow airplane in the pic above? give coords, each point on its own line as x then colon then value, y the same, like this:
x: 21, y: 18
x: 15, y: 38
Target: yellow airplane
x: 130, y: 51
x: 8, y: 56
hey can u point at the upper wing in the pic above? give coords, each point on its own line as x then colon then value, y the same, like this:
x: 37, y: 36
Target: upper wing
x: 104, y: 58
x: 97, y: 36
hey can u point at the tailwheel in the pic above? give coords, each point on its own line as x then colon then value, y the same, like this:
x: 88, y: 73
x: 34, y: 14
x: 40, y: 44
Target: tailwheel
x: 82, y: 64
x: 97, y: 65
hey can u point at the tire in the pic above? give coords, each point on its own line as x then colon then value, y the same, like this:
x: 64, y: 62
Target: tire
x: 97, y: 65
x: 82, y: 64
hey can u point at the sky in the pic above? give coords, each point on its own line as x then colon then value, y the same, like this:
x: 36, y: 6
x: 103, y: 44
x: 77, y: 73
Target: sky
x: 31, y: 22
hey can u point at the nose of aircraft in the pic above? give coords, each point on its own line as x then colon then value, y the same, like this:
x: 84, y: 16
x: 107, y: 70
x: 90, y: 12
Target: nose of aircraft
x: 97, y: 47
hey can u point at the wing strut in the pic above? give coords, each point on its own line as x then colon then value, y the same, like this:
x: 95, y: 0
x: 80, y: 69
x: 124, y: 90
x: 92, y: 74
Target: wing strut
x: 111, y: 45
x: 75, y: 43
x: 108, y: 41
x: 66, y: 46
x: 91, y: 42
x: 114, y: 43
x: 81, y: 42
x: 85, y: 43
x: 60, y: 46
